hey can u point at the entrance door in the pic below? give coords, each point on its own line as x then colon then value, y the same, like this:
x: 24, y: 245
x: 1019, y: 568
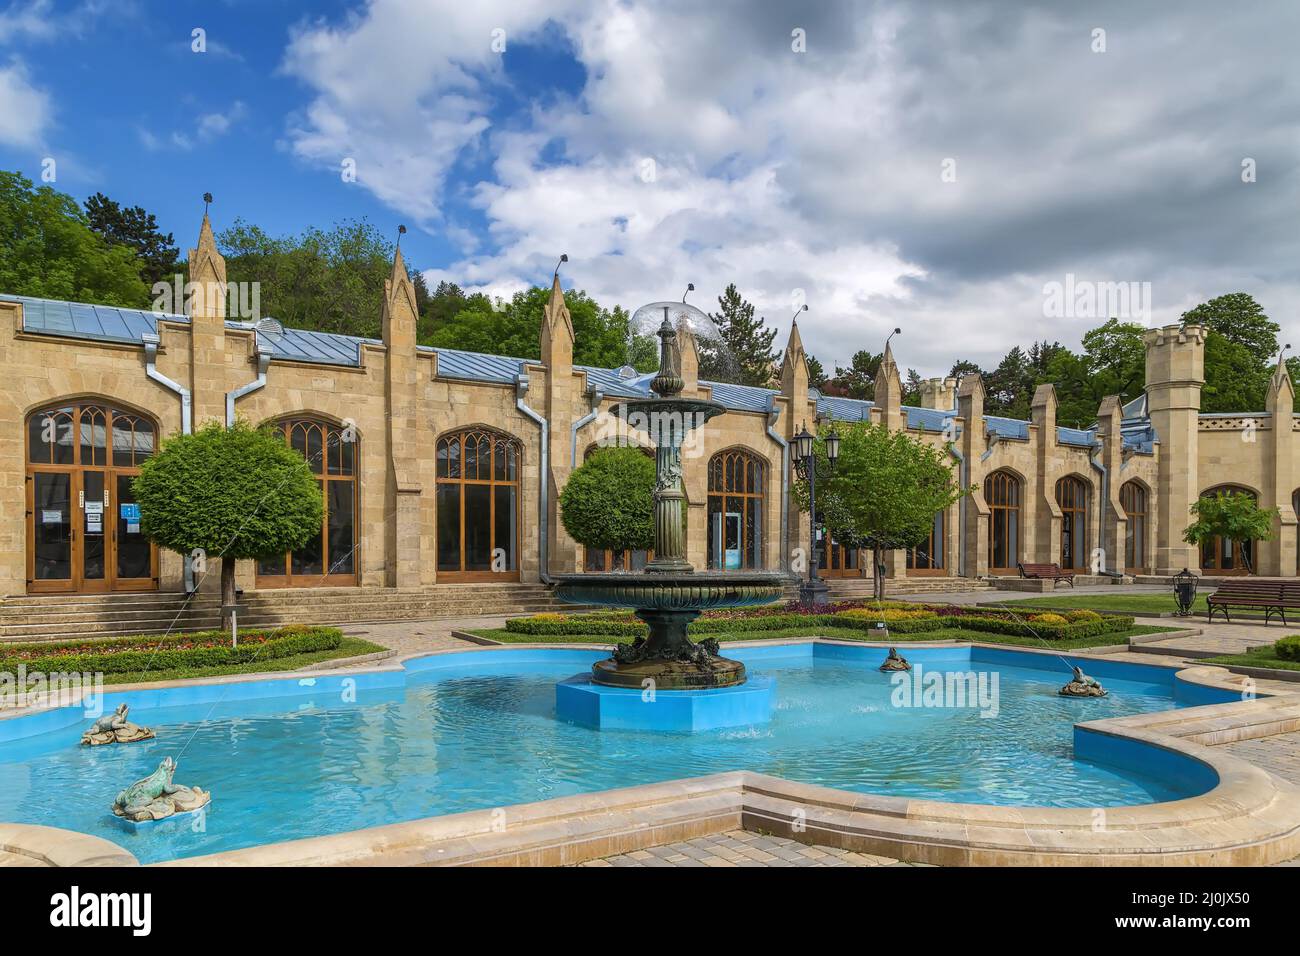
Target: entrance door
x: 83, y: 530
x: 837, y: 559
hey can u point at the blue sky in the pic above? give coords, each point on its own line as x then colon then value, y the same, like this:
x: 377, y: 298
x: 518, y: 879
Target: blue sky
x: 933, y: 166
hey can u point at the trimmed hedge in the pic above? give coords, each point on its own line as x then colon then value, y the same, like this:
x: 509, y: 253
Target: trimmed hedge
x: 1288, y: 648
x: 1051, y: 632
x: 156, y: 654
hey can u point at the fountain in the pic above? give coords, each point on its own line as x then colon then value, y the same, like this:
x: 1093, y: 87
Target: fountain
x: 668, y: 593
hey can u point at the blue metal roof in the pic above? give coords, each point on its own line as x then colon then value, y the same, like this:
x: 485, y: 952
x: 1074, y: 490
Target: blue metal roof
x: 104, y: 323
x: 741, y: 398
x: 302, y: 345
x: 842, y: 409
x: 1079, y: 437
x: 1006, y: 427
x: 474, y: 366
x: 612, y: 385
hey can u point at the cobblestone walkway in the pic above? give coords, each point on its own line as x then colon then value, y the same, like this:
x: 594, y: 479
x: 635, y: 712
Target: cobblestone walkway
x: 742, y: 848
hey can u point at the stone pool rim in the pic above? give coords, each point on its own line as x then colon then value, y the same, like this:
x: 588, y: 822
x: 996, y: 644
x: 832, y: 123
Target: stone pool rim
x: 1248, y: 817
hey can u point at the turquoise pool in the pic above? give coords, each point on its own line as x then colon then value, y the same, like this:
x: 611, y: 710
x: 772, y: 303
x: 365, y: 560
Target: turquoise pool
x: 289, y: 758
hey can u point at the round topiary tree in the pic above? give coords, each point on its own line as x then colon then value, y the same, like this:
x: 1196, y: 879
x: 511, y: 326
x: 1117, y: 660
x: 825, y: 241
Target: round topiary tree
x: 608, y: 503
x: 229, y: 493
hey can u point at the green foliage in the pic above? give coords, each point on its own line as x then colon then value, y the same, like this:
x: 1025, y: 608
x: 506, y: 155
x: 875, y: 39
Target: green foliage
x: 745, y: 356
x: 138, y: 230
x: 1240, y: 320
x: 1233, y: 515
x: 238, y: 493
x: 885, y: 489
x: 608, y: 502
x: 1288, y: 648
x: 48, y: 250
x: 816, y: 374
x: 324, y: 280
x: 859, y: 379
x: 206, y: 649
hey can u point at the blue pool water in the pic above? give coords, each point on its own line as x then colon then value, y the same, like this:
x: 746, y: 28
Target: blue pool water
x: 477, y: 730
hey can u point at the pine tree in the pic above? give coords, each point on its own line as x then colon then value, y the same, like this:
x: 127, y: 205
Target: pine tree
x: 138, y: 231
x: 744, y: 355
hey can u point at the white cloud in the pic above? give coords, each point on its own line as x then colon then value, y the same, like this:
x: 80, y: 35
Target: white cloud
x: 25, y: 110
x: 207, y: 127
x: 28, y: 21
x: 821, y: 170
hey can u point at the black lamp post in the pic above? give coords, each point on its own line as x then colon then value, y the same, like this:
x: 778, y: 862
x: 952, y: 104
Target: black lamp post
x: 1185, y: 591
x: 814, y: 591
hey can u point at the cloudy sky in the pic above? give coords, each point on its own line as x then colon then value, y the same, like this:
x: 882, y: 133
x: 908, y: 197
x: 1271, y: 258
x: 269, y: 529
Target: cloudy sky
x: 931, y: 166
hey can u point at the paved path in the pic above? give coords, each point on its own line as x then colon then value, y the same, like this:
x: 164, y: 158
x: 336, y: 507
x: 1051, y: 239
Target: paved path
x: 742, y: 848
x: 415, y: 637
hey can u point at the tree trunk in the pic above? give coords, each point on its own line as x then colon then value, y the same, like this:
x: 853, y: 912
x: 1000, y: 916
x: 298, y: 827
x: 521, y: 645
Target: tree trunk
x: 227, y: 590
x: 877, y: 575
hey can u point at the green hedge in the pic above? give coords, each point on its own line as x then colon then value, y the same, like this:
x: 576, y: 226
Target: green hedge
x: 156, y: 655
x: 1022, y: 627
x: 1288, y: 648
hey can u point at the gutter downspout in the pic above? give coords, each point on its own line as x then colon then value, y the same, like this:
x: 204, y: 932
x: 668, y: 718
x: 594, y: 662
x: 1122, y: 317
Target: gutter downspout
x: 1095, y: 458
x: 773, y: 413
x: 596, y: 396
x: 521, y: 390
x: 263, y: 362
x: 151, y: 342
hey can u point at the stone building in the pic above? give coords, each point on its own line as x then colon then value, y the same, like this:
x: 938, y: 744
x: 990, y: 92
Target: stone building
x: 439, y: 466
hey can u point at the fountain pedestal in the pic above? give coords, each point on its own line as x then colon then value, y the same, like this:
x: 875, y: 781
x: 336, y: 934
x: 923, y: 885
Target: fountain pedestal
x: 581, y: 700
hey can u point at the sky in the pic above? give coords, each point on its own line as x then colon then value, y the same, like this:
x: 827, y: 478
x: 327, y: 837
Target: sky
x: 943, y: 168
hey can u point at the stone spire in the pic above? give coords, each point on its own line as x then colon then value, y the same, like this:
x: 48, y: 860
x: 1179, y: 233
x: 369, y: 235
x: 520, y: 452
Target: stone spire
x: 889, y: 392
x: 206, y: 305
x: 794, y: 368
x: 403, y: 562
x: 207, y: 276
x: 557, y: 332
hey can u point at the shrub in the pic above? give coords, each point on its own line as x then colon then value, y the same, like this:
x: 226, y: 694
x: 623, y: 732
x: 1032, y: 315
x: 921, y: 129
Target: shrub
x: 1048, y: 618
x: 1082, y: 615
x: 1288, y: 648
x: 206, y: 649
x: 1048, y: 631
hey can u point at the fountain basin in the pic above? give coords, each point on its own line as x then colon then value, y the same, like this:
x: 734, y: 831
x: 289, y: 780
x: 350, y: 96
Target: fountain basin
x: 583, y: 701
x: 692, y: 591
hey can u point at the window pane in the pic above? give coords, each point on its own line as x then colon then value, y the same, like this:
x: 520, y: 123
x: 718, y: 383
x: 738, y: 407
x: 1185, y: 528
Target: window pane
x: 133, y: 551
x: 94, y: 437
x: 52, y: 538
x: 93, y: 540
x: 448, y: 527
x: 340, y: 531
x: 310, y: 558
x: 754, y: 533
x: 478, y: 527
x: 505, y: 532
x: 715, y: 533
x: 272, y: 567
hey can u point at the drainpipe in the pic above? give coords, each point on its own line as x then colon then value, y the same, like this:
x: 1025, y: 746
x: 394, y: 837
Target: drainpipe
x: 1095, y: 458
x: 521, y: 390
x: 263, y: 362
x: 773, y: 413
x: 596, y: 396
x: 151, y: 342
x: 963, y: 469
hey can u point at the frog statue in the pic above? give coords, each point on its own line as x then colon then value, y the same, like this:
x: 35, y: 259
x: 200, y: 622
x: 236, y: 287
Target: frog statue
x: 114, y: 728
x: 1081, y: 685
x: 895, y: 662
x: 156, y: 797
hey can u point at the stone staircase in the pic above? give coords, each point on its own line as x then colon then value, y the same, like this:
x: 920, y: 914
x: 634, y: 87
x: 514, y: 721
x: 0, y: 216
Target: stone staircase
x: 62, y: 617
x: 860, y: 589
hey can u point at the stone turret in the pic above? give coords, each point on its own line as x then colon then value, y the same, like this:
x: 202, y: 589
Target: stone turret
x: 400, y: 316
x: 206, y: 306
x: 939, y: 393
x: 1175, y: 372
x: 889, y: 392
x: 1278, y: 557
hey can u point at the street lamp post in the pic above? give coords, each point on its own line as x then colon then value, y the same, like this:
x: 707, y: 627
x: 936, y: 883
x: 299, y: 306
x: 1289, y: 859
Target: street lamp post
x: 814, y: 591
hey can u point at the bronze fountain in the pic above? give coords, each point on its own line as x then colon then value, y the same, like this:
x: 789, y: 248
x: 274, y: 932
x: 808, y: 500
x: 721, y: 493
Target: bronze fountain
x: 668, y: 593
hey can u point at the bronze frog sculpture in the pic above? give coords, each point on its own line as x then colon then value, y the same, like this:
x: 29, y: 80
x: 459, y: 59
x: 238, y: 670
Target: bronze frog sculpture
x: 114, y: 728
x: 156, y: 797
x: 1081, y: 685
x: 895, y: 662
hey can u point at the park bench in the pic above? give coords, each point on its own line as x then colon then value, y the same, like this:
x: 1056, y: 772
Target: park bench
x: 1274, y: 596
x: 1046, y: 572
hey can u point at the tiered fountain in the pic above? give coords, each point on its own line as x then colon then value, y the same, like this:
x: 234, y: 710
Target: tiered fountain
x: 665, y: 681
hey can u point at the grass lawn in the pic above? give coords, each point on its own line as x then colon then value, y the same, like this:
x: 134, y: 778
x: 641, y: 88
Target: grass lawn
x: 842, y: 633
x: 1128, y: 603
x: 1263, y: 657
x: 351, y: 647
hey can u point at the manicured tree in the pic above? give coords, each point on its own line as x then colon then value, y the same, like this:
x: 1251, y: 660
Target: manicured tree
x: 228, y: 493
x: 884, y: 491
x: 1233, y: 515
x: 608, y: 503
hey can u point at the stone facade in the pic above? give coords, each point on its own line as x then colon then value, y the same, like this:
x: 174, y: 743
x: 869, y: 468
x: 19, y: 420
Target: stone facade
x: 399, y: 401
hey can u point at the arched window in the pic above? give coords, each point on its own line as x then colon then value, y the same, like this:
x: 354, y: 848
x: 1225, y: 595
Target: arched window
x: 1002, y: 493
x: 329, y: 558
x: 478, y: 506
x: 927, y: 557
x: 1072, y: 497
x: 1133, y: 499
x: 83, y: 526
x: 607, y: 560
x: 1222, y: 555
x: 736, y: 491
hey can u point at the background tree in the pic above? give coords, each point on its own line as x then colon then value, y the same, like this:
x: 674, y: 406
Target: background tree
x: 859, y: 379
x: 884, y: 491
x: 1233, y: 515
x: 608, y: 502
x: 744, y: 355
x: 816, y: 374
x: 912, y: 388
x: 48, y: 250
x: 234, y: 493
x: 138, y: 230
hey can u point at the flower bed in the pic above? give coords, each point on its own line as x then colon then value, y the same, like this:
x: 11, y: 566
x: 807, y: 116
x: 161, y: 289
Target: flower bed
x: 203, y: 649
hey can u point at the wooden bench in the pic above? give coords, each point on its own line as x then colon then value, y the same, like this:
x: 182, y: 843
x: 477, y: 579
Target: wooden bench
x: 1274, y: 596
x: 1047, y: 572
